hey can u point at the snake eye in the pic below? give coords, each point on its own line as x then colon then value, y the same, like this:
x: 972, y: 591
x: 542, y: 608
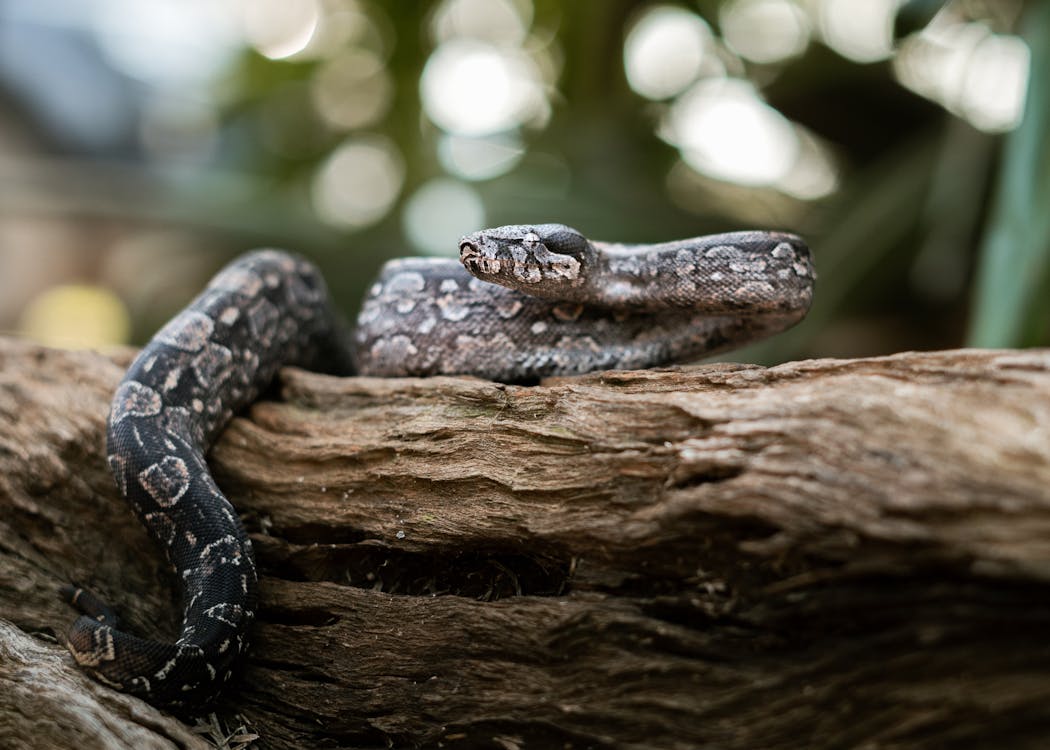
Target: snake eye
x: 565, y: 241
x: 530, y: 240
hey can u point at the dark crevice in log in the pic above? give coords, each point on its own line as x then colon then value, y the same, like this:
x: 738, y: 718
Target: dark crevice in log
x: 296, y: 671
x: 485, y: 575
x: 710, y: 475
x: 313, y: 618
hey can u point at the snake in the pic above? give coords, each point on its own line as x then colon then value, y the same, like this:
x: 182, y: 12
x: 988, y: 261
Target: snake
x: 523, y: 303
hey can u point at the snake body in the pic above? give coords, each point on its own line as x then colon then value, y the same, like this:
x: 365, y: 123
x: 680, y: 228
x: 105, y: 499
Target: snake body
x: 524, y: 302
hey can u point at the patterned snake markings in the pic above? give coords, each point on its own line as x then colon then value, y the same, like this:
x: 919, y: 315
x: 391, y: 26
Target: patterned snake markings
x: 559, y: 304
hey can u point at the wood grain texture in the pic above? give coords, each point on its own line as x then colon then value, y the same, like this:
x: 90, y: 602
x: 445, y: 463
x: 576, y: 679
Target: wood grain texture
x: 822, y: 554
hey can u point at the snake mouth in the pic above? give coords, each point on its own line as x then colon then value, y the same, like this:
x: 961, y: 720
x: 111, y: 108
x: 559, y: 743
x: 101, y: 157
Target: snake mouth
x: 478, y: 262
x: 468, y: 251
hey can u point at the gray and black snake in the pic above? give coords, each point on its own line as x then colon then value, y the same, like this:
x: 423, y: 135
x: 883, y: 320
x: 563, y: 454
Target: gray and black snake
x: 560, y: 304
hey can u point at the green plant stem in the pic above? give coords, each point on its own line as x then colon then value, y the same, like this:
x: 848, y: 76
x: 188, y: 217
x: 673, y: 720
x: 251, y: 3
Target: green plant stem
x: 1013, y: 280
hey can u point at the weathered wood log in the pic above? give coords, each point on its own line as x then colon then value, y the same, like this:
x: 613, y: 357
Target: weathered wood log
x: 820, y: 554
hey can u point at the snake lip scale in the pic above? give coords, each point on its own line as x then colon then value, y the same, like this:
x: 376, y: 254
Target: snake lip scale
x: 524, y: 302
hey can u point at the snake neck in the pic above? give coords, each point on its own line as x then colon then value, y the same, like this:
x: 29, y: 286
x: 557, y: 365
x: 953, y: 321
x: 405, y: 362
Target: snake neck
x: 739, y: 273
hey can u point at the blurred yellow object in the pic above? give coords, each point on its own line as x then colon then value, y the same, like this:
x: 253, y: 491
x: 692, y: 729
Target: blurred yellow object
x: 76, y: 316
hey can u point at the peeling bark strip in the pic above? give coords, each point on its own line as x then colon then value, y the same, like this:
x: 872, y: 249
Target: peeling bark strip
x: 821, y: 554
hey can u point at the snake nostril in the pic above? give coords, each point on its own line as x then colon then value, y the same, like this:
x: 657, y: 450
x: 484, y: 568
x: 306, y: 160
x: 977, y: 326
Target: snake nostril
x: 468, y: 248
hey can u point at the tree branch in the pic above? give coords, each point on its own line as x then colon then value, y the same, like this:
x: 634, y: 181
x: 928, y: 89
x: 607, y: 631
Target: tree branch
x: 822, y: 554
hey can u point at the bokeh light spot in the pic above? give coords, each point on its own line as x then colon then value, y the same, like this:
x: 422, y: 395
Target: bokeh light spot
x: 499, y: 21
x: 993, y: 94
x: 439, y: 213
x: 664, y: 51
x: 814, y: 174
x: 480, y: 158
x: 726, y: 131
x: 764, y: 31
x: 352, y: 90
x: 473, y: 88
x: 278, y: 28
x: 861, y: 30
x: 358, y: 183
x: 345, y: 24
x: 76, y: 316
x: 969, y: 71
x: 167, y: 42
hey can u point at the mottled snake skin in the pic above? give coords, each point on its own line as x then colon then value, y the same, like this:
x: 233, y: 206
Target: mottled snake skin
x: 560, y: 304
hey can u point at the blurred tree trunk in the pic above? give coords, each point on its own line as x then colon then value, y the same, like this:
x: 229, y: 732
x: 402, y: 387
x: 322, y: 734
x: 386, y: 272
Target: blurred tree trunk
x: 822, y: 554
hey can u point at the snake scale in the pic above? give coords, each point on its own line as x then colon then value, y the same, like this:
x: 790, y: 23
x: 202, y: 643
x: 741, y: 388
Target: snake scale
x: 559, y: 304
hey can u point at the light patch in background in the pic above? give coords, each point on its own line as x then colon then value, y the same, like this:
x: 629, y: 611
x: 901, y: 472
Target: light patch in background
x: 969, y: 71
x: 179, y: 130
x: 480, y: 158
x: 278, y: 28
x: 665, y: 51
x: 993, y: 94
x: 358, y: 183
x: 352, y: 90
x: 498, y: 21
x: 474, y: 88
x: 861, y: 30
x: 344, y: 24
x: 814, y: 174
x: 167, y: 41
x: 724, y: 130
x: 76, y: 316
x: 439, y: 213
x: 764, y: 31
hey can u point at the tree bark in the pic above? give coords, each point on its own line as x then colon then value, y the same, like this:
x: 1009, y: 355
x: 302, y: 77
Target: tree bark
x: 821, y: 554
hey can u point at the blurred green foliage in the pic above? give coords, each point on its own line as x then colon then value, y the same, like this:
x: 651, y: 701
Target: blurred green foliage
x: 937, y: 233
x: 1012, y: 287
x: 896, y: 245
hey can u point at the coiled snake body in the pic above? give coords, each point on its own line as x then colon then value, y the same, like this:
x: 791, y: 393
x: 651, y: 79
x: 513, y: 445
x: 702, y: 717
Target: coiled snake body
x: 560, y: 304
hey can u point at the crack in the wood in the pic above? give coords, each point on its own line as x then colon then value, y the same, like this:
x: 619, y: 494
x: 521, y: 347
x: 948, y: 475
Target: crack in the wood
x: 308, y: 616
x: 484, y: 575
x: 306, y: 674
x: 708, y: 475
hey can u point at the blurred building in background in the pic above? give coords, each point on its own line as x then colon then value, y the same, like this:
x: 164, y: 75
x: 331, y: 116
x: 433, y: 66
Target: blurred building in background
x: 143, y: 144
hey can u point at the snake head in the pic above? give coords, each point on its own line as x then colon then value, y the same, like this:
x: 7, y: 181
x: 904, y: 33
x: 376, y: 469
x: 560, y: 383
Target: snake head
x: 546, y: 260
